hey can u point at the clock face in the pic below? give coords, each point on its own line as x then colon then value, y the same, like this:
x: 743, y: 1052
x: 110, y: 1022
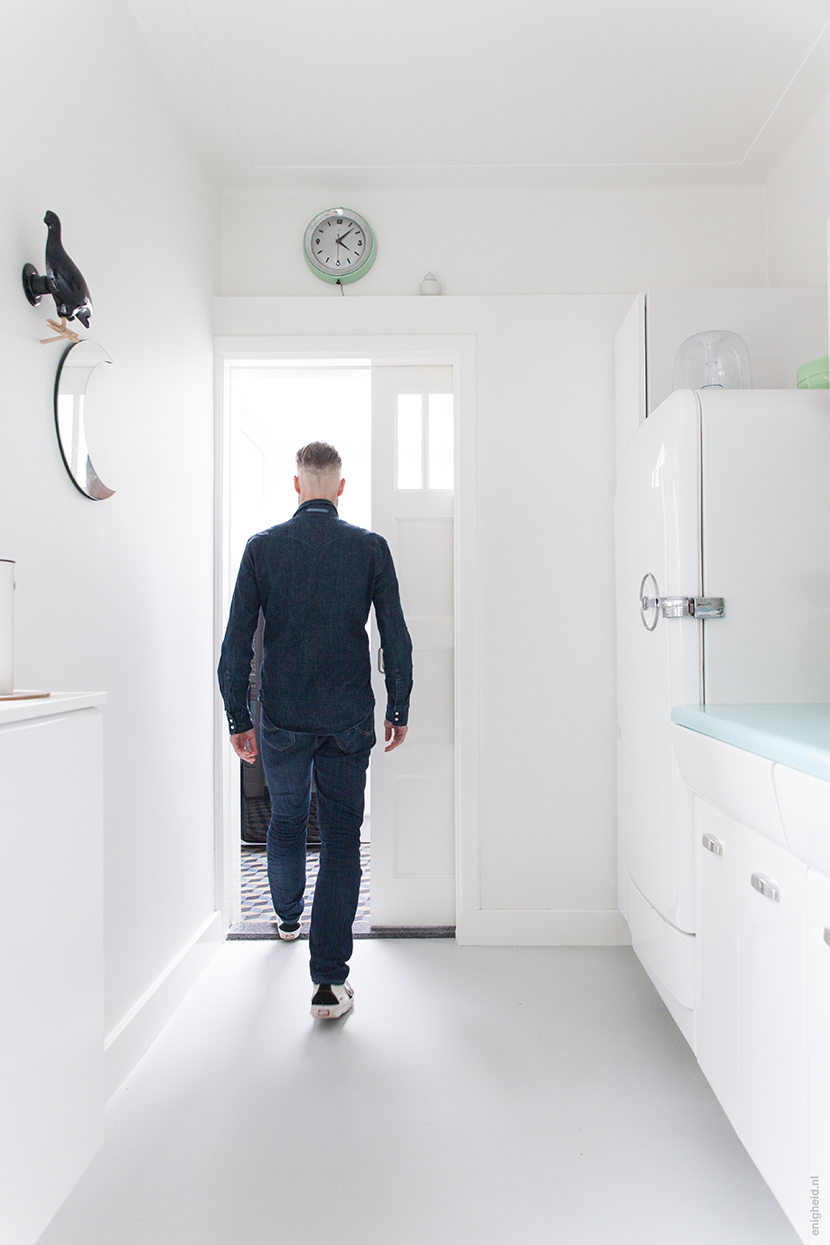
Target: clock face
x: 339, y: 246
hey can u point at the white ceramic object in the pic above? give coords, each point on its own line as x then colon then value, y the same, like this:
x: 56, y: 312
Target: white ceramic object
x: 430, y: 284
x: 6, y: 627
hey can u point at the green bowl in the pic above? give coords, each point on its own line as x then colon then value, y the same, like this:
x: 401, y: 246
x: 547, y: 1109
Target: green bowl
x: 815, y: 374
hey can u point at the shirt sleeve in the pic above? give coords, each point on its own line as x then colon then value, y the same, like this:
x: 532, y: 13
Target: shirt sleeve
x: 237, y: 647
x: 394, y: 639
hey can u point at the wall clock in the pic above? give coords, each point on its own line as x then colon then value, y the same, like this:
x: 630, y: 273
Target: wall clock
x: 339, y: 246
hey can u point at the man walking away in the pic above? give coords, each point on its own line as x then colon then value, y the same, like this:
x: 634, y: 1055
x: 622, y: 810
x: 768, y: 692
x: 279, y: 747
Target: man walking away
x: 315, y: 579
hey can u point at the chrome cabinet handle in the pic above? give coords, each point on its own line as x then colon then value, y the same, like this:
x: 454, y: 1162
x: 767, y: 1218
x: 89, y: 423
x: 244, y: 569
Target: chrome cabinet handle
x: 380, y: 661
x: 765, y: 887
x: 827, y: 936
x: 712, y: 844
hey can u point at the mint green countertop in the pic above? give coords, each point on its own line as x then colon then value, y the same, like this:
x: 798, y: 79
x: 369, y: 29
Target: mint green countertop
x: 794, y: 735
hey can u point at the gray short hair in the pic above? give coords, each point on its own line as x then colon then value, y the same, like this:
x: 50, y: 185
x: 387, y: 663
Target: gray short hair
x: 319, y: 456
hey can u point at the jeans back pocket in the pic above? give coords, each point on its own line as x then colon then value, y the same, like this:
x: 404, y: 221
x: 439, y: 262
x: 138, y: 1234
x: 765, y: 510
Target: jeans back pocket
x: 275, y: 736
x: 358, y: 738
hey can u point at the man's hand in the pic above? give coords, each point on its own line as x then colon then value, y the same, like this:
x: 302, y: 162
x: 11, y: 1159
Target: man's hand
x: 244, y: 745
x: 399, y: 733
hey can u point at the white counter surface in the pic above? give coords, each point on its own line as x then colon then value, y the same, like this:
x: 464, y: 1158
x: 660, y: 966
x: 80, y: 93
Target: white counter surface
x: 59, y: 702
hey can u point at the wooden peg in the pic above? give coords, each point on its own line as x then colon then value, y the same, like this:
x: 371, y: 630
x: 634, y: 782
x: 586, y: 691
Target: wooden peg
x: 63, y: 333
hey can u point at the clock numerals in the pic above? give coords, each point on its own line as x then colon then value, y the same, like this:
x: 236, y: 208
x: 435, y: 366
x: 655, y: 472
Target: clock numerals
x: 345, y: 247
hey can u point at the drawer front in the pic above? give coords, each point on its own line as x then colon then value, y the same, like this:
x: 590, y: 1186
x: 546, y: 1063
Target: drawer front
x: 773, y: 1018
x: 717, y: 847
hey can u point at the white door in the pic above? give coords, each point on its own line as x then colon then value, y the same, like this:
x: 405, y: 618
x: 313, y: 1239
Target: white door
x: 657, y: 510
x: 413, y: 799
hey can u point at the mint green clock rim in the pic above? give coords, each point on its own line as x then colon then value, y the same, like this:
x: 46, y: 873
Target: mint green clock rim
x: 347, y: 277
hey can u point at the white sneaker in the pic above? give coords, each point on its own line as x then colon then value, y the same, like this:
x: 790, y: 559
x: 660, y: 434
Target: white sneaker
x: 289, y: 930
x: 329, y: 1002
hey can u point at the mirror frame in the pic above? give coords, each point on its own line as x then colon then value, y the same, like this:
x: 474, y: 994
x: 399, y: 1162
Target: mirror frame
x: 90, y: 485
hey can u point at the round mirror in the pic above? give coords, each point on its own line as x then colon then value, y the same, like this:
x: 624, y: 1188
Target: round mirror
x: 74, y: 370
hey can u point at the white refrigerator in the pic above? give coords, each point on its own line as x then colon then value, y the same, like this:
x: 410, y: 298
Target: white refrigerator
x: 722, y: 512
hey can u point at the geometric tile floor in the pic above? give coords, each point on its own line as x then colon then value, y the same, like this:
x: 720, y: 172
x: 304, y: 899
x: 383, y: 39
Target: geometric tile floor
x: 256, y: 897
x: 258, y: 919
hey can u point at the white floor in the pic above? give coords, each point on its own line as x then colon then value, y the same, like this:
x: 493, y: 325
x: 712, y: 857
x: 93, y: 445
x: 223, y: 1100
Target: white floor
x: 491, y: 1095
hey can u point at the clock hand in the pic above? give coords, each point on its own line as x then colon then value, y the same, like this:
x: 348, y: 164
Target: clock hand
x: 346, y: 234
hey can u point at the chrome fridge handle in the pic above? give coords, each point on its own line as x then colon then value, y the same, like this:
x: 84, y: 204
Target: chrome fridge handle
x: 675, y: 607
x: 649, y: 602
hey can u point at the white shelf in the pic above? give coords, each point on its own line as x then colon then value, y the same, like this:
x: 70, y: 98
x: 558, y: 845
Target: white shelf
x: 59, y: 702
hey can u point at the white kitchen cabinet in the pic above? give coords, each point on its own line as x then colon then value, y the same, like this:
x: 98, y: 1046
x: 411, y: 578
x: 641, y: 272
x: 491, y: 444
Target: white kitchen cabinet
x: 765, y: 1057
x: 773, y: 1019
x: 51, y: 955
x: 717, y: 850
x: 818, y: 1028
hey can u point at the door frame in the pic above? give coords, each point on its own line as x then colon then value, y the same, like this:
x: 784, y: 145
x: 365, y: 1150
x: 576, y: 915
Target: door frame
x: 409, y: 350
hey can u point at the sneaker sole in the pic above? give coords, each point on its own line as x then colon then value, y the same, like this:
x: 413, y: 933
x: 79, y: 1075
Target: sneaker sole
x: 332, y: 1013
x: 290, y: 936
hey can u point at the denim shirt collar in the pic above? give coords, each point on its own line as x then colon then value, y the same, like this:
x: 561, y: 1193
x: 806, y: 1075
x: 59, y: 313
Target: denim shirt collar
x: 318, y: 505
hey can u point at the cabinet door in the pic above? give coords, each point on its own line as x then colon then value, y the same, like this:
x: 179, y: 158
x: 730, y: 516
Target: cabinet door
x: 717, y: 849
x: 818, y: 1028
x: 773, y: 1019
x: 51, y: 969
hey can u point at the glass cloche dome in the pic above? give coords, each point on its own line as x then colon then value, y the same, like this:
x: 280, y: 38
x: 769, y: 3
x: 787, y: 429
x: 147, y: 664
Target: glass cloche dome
x: 717, y: 359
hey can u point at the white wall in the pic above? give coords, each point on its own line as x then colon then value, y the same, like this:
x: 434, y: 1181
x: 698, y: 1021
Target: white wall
x: 546, y: 582
x: 506, y: 242
x: 798, y: 204
x: 116, y: 595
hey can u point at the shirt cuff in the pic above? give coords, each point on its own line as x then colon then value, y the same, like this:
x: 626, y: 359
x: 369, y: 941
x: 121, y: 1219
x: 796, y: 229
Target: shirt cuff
x: 239, y: 725
x: 399, y: 716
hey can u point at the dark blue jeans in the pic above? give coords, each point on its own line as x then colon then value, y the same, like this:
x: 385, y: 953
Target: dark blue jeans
x: 339, y: 763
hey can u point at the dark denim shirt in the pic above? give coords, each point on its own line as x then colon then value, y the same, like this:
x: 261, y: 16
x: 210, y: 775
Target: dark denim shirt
x: 315, y: 579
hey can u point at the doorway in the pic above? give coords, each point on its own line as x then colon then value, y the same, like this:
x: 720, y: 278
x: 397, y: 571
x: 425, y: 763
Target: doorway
x: 394, y: 427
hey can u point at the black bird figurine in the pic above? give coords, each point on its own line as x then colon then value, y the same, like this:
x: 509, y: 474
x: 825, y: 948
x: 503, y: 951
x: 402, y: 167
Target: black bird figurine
x: 63, y: 279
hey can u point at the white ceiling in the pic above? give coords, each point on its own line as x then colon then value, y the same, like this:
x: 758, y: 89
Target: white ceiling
x: 460, y: 92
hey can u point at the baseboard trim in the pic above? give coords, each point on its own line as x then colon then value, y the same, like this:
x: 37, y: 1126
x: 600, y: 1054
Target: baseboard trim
x: 542, y: 927
x: 135, y: 1033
